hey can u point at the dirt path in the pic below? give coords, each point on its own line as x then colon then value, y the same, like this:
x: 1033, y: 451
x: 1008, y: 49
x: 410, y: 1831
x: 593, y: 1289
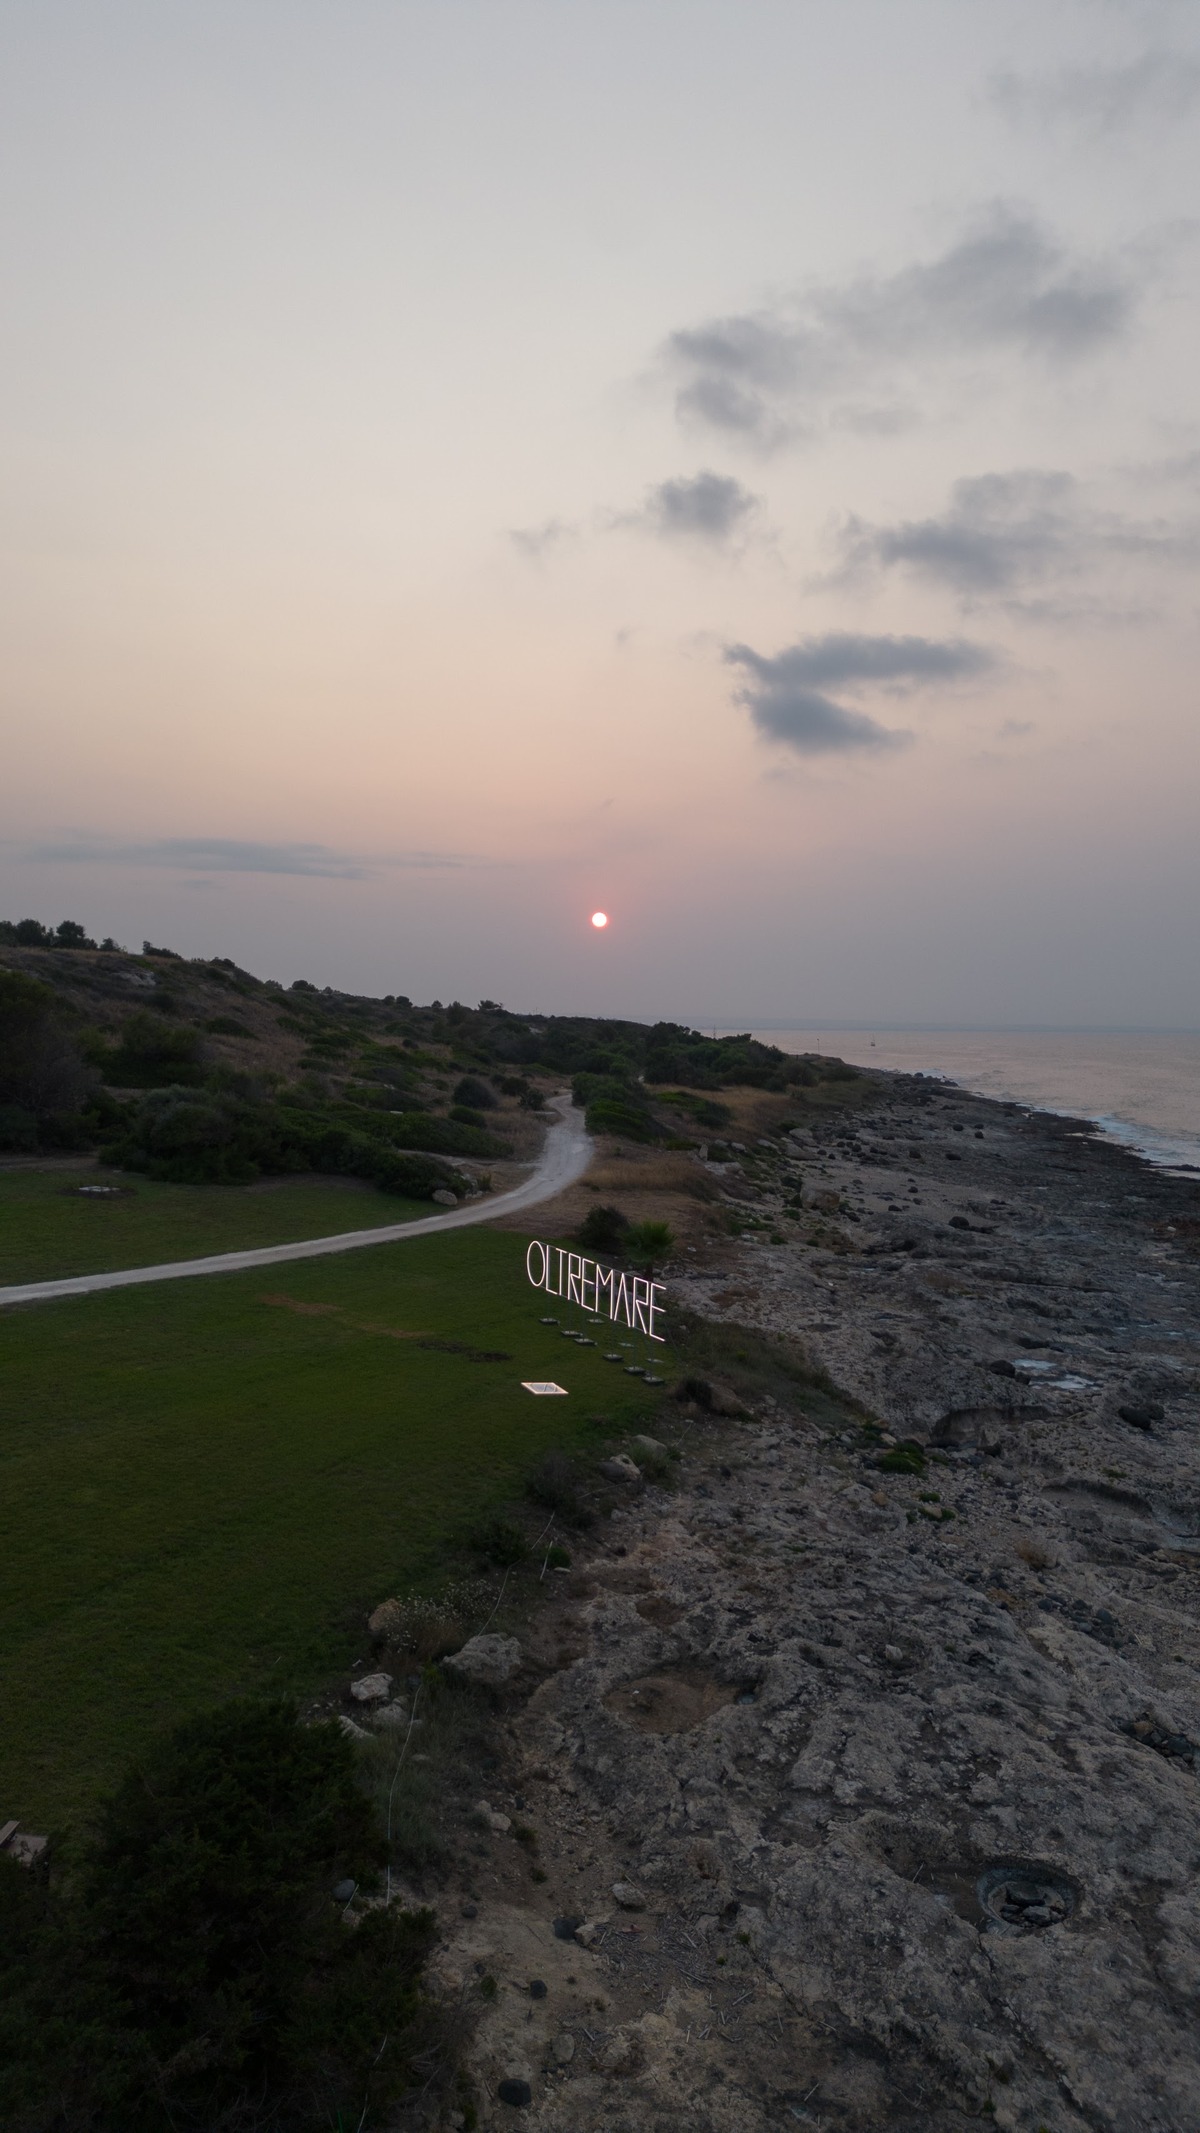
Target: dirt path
x: 565, y: 1155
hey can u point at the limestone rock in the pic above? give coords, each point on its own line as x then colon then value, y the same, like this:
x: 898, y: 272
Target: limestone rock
x: 488, y: 1659
x: 621, y: 1468
x: 498, y: 1824
x: 371, y: 1688
x: 629, y: 1897
x: 390, y: 1717
x: 387, y: 1620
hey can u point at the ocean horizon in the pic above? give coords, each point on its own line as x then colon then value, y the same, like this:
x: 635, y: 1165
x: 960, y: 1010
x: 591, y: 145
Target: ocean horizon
x: 1140, y: 1087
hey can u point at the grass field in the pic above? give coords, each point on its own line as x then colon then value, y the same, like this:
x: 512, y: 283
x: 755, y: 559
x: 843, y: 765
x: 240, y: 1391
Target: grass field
x: 205, y: 1484
x: 48, y: 1231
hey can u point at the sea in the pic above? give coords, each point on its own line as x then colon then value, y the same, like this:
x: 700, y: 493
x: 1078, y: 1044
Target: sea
x: 1140, y: 1087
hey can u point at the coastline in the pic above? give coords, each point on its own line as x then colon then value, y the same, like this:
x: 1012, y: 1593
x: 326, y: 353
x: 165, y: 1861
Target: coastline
x: 1139, y: 1087
x: 889, y: 1687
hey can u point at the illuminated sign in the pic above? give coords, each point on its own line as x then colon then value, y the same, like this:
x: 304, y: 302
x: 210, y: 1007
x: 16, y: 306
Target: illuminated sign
x: 631, y: 1299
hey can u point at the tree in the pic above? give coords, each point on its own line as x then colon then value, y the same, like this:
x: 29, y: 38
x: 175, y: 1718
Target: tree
x: 199, y: 1973
x: 40, y: 1069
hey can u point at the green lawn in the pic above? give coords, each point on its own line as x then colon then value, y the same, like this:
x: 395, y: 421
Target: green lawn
x: 203, y: 1491
x: 48, y: 1232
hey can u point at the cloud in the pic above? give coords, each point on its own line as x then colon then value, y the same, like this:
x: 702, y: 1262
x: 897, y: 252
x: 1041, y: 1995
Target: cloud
x: 702, y: 507
x: 1002, y: 532
x: 535, y: 543
x: 1158, y: 86
x: 1007, y: 285
x: 787, y: 696
x: 224, y: 855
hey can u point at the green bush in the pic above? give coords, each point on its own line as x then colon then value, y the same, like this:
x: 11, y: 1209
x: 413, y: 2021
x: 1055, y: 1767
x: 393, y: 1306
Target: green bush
x: 152, y: 1057
x: 604, y: 1229
x: 474, y: 1094
x: 499, y: 1542
x: 616, y: 1107
x: 648, y: 1243
x: 41, y: 1071
x: 218, y: 1137
x: 196, y: 1971
x: 905, y: 1459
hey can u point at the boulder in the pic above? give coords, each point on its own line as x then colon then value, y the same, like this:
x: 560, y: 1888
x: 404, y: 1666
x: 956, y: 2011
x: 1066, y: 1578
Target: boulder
x: 629, y: 1898
x: 442, y: 1198
x: 488, y: 1659
x: 498, y: 1824
x: 621, y: 1468
x: 649, y: 1448
x: 387, y: 1620
x: 371, y: 1688
x: 390, y: 1717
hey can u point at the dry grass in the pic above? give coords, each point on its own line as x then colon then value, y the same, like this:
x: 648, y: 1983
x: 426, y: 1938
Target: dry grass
x: 1035, y: 1553
x: 622, y: 1171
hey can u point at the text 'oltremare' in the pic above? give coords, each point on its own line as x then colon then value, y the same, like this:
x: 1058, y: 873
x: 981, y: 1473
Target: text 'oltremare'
x: 631, y: 1299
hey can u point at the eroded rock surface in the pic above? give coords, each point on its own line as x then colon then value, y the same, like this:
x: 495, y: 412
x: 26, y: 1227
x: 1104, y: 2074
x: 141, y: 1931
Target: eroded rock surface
x: 901, y: 1762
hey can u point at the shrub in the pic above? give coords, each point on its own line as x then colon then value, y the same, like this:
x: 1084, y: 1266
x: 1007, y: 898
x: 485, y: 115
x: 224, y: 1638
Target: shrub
x: 151, y: 1057
x: 198, y: 1972
x: 604, y: 1229
x: 474, y: 1094
x: 18, y: 1130
x: 500, y: 1542
x: 554, y: 1483
x: 905, y: 1459
x: 40, y: 1068
x: 647, y: 1243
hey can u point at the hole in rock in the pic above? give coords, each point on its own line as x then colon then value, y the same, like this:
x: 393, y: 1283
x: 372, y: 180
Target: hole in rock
x: 672, y: 1701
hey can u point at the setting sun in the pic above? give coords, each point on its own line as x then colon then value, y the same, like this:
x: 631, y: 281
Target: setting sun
x: 599, y: 919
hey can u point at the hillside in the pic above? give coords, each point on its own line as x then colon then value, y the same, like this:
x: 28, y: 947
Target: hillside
x: 196, y: 1071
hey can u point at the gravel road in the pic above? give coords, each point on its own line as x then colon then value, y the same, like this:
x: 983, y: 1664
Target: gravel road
x: 565, y: 1156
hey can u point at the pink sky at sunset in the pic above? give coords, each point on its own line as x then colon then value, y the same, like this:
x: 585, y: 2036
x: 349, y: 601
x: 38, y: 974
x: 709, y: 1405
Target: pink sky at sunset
x: 732, y: 466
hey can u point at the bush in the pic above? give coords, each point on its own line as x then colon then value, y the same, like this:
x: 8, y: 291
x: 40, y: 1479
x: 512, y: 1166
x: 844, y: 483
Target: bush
x: 41, y: 1071
x: 554, y: 1483
x: 18, y: 1130
x: 500, y: 1542
x: 218, y: 1137
x: 474, y: 1094
x: 198, y: 1972
x: 604, y: 1229
x: 647, y: 1243
x: 616, y: 1107
x: 151, y: 1057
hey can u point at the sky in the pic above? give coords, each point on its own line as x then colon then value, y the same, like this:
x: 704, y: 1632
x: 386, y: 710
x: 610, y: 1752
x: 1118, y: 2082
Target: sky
x: 731, y: 463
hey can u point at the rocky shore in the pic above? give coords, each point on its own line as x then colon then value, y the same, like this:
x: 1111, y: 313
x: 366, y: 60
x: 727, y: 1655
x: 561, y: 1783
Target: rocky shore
x: 860, y: 1764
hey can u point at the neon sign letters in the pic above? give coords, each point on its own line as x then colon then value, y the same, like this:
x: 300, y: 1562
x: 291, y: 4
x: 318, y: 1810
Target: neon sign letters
x: 632, y: 1300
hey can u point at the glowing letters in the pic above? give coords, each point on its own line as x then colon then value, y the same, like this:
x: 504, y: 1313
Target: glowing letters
x: 631, y: 1299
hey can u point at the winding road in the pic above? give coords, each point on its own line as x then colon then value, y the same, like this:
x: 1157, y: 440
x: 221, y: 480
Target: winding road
x: 565, y: 1155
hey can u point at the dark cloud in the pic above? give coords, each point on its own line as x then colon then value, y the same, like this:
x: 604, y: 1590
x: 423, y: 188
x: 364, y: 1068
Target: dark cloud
x: 1158, y: 86
x: 224, y: 855
x: 1003, y: 532
x: 787, y: 696
x: 700, y: 507
x: 1006, y: 285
